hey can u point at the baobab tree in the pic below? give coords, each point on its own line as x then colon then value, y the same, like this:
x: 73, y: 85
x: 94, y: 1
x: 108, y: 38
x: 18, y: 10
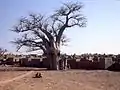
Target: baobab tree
x: 46, y: 33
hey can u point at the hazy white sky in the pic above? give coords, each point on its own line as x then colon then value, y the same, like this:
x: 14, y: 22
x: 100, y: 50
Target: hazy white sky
x: 102, y: 34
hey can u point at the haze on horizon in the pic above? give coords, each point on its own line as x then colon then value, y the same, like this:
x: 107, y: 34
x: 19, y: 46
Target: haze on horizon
x: 102, y: 34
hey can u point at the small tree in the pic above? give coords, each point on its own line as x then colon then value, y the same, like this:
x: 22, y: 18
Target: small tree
x: 2, y: 51
x: 46, y: 34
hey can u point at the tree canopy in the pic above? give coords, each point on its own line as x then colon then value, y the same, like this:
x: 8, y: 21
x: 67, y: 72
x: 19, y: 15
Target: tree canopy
x: 46, y: 33
x: 39, y: 32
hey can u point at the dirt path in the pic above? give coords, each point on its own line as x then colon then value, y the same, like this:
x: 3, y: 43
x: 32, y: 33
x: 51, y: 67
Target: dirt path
x: 16, y: 78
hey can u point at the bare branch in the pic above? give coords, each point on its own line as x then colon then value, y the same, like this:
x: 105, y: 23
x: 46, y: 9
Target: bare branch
x: 64, y: 40
x: 72, y: 17
x: 36, y: 49
x: 29, y: 42
x: 32, y: 23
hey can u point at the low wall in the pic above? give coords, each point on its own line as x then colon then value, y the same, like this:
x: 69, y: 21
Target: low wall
x: 87, y: 65
x: 72, y: 63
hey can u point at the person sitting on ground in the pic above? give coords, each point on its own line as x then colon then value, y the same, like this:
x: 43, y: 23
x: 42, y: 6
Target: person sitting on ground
x: 38, y: 75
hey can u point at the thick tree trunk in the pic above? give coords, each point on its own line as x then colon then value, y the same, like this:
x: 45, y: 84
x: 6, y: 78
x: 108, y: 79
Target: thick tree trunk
x: 55, y: 62
x: 53, y: 58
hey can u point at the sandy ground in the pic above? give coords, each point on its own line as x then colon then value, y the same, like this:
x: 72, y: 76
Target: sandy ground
x: 65, y: 80
x: 18, y: 77
x: 6, y: 75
